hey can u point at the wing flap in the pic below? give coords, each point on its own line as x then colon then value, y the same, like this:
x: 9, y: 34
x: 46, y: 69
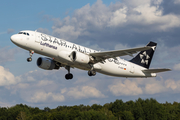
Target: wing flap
x: 156, y: 70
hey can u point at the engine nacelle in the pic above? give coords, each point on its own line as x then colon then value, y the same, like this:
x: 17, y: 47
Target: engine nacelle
x: 46, y: 63
x: 79, y: 57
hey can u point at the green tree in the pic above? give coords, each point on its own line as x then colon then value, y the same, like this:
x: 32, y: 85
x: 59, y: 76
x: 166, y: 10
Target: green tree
x: 47, y: 109
x: 92, y: 115
x: 108, y: 114
x: 96, y: 107
x: 21, y: 116
x: 117, y: 106
x: 39, y: 116
x: 127, y: 115
x: 138, y: 110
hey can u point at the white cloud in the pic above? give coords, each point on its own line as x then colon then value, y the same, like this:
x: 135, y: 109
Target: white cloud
x: 171, y: 84
x: 176, y: 1
x: 66, y: 30
x: 144, y: 86
x: 37, y: 91
x: 44, y: 83
x: 23, y: 85
x: 46, y: 91
x: 127, y: 88
x: 6, y: 77
x: 118, y: 17
x: 98, y: 18
x: 41, y: 96
x: 154, y: 87
x: 84, y: 92
x: 152, y: 17
x: 17, y: 88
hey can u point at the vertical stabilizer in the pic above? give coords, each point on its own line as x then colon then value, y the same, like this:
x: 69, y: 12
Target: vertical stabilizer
x: 144, y: 57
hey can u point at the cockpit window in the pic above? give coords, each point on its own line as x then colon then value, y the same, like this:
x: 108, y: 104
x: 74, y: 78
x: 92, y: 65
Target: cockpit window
x: 20, y: 33
x: 24, y: 33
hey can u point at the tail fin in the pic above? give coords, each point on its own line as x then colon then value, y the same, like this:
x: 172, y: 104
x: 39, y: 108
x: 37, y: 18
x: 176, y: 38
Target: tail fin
x: 144, y: 57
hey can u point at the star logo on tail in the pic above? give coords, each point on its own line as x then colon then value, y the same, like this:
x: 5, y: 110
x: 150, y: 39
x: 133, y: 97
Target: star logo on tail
x: 144, y: 58
x: 154, y: 47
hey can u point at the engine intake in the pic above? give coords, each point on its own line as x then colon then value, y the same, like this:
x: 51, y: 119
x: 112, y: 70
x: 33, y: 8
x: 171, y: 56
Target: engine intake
x: 47, y: 63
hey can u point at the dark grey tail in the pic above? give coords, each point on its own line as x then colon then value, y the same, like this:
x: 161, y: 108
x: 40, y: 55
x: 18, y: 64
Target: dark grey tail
x: 144, y: 57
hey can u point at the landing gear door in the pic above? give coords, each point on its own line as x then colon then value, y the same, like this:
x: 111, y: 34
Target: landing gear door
x: 37, y: 37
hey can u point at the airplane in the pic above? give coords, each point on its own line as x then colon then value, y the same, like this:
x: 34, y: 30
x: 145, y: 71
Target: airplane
x: 61, y: 53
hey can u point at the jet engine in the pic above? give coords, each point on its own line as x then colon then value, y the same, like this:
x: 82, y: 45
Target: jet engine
x: 79, y: 57
x: 47, y: 63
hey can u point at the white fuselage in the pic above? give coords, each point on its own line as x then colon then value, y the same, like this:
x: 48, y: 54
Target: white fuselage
x: 60, y: 51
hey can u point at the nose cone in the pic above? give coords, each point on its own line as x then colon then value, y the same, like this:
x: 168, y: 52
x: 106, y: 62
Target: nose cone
x: 14, y: 38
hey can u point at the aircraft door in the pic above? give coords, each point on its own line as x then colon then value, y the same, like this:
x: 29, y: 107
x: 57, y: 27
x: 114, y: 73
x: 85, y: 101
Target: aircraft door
x: 27, y: 39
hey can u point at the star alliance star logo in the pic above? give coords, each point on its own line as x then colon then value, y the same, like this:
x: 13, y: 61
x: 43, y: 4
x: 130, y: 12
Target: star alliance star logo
x: 154, y: 47
x: 144, y: 58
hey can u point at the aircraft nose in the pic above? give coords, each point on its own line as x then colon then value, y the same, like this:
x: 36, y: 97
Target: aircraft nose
x: 14, y: 38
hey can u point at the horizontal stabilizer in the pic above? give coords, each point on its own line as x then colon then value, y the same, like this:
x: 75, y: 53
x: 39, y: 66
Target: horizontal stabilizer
x: 156, y: 70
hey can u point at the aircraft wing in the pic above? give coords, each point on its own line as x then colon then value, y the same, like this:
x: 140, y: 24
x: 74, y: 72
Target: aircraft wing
x: 156, y: 70
x: 100, y: 56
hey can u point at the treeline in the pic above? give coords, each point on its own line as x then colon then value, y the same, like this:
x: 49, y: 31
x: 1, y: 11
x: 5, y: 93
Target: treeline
x: 140, y: 109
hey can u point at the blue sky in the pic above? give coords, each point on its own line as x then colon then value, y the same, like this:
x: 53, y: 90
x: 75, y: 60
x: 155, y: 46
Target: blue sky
x: 98, y: 24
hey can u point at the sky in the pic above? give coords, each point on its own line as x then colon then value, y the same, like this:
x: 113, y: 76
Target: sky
x: 97, y: 24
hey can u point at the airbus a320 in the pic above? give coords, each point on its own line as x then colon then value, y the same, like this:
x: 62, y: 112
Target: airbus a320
x: 61, y: 53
